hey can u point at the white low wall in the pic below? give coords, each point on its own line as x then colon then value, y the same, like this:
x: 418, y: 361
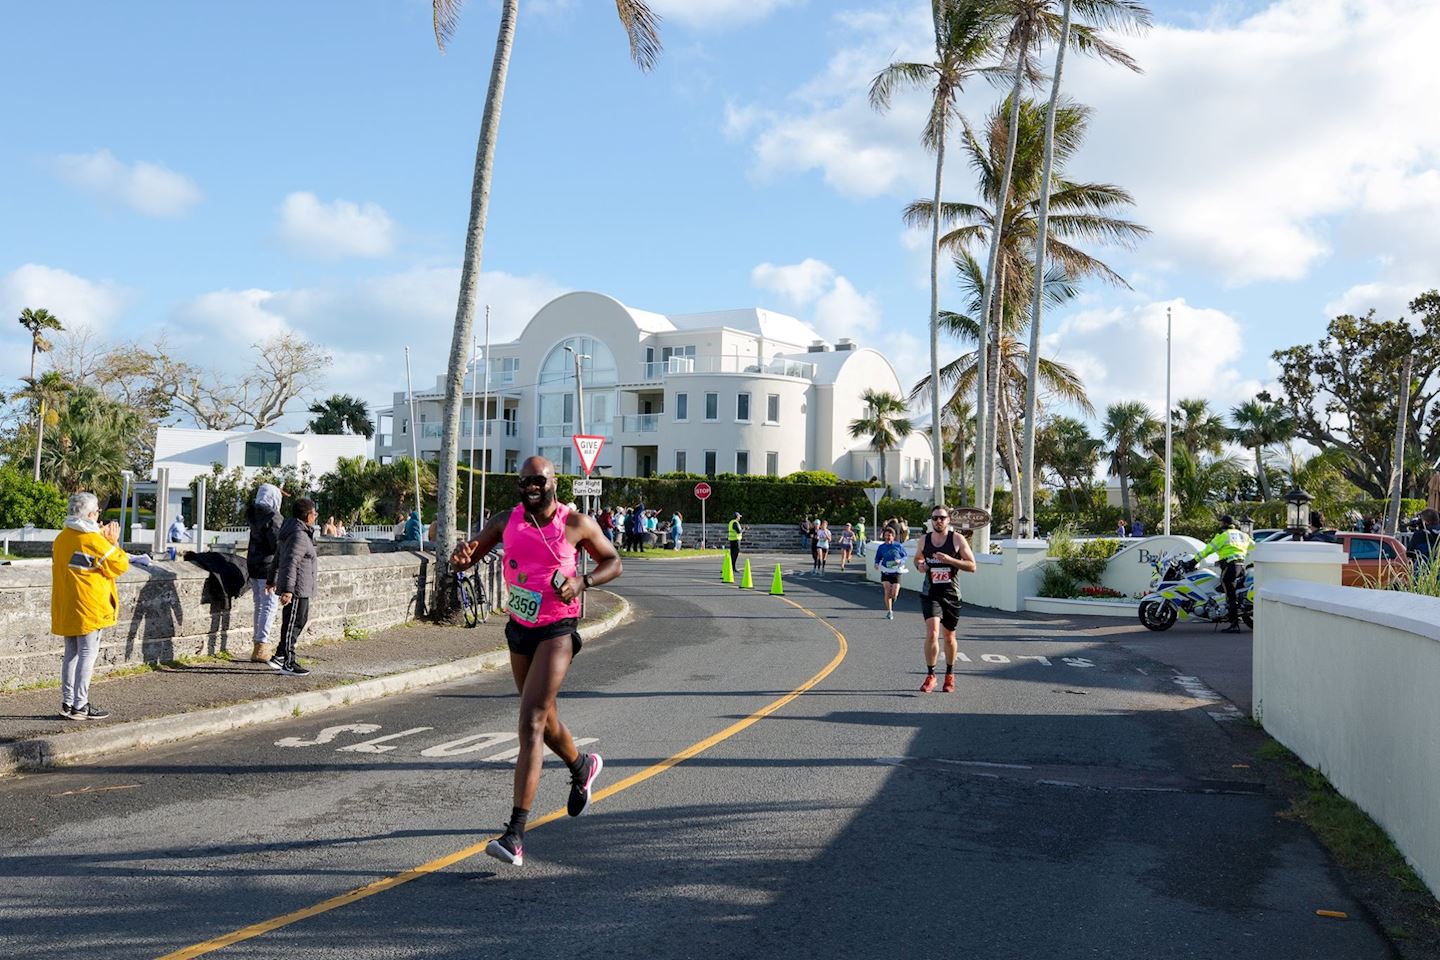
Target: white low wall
x: 1348, y: 679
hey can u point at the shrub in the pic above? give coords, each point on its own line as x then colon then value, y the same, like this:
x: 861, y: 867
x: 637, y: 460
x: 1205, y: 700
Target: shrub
x: 1079, y: 563
x: 23, y: 500
x: 1055, y: 582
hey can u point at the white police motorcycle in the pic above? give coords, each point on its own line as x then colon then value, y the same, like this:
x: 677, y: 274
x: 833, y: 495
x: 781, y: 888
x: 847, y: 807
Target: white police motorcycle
x: 1181, y: 589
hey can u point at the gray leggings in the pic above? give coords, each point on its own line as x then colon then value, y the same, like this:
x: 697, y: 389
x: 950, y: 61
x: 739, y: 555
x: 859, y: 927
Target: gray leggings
x: 76, y: 668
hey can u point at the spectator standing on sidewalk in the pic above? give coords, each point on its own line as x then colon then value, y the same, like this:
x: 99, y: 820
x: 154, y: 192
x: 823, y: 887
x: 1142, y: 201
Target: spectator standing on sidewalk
x: 293, y: 578
x: 860, y: 538
x: 264, y: 517
x: 677, y: 529
x: 734, y: 532
x: 86, y: 560
x: 177, y: 532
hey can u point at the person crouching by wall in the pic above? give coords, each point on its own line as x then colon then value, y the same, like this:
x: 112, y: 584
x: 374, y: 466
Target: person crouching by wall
x: 264, y: 517
x: 293, y: 578
x: 86, y: 560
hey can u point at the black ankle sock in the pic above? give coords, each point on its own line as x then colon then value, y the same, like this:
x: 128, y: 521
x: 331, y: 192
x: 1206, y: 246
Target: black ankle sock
x: 930, y: 669
x: 949, y: 668
x: 578, y: 765
x: 517, y: 822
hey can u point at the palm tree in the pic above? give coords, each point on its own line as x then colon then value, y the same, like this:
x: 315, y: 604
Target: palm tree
x: 47, y: 392
x: 1198, y: 481
x: 1259, y: 425
x: 1130, y: 429
x: 965, y: 32
x: 885, y: 423
x: 1030, y: 24
x: 1198, y: 428
x: 641, y: 27
x: 341, y: 413
x: 1088, y: 211
x: 91, y: 443
x: 1138, y: 17
x: 1066, y: 447
x: 38, y: 321
x: 956, y: 422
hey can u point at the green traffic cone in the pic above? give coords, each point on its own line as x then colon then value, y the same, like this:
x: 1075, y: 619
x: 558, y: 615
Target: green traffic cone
x: 777, y: 586
x: 727, y: 572
x: 745, y: 582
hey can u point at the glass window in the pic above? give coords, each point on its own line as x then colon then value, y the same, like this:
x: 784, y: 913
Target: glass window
x: 742, y: 406
x: 598, y: 370
x: 262, y: 454
x: 1361, y: 549
x: 679, y: 461
x: 1389, y: 550
x: 563, y: 456
x: 772, y: 464
x: 742, y: 462
x: 712, y: 406
x: 709, y: 463
x: 772, y: 408
x: 503, y: 371
x: 682, y: 406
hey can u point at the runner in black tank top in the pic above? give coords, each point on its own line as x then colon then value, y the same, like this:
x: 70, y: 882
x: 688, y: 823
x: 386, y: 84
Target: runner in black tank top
x: 941, y: 563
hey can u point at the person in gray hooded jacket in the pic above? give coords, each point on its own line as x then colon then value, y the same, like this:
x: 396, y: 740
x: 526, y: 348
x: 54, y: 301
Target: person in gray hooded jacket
x: 264, y: 517
x: 293, y: 578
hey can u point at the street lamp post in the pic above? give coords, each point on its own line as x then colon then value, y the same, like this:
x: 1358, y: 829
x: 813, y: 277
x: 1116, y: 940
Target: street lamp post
x: 1169, y: 325
x: 580, y: 428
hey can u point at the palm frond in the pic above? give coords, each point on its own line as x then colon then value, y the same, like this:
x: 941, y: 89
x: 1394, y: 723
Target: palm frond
x: 895, y: 77
x: 446, y: 15
x: 642, y: 29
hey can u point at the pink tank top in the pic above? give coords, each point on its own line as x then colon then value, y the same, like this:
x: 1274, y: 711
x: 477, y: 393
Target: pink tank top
x: 532, y: 555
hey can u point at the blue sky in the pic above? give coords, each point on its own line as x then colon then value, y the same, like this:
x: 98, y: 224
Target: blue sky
x: 214, y: 173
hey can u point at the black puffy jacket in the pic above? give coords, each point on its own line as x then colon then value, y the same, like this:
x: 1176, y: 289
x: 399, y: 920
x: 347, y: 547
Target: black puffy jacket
x: 264, y: 540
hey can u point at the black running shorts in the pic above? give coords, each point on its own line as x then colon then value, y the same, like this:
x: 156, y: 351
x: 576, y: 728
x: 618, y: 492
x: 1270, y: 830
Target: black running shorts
x: 525, y: 640
x: 944, y: 604
x: 889, y: 578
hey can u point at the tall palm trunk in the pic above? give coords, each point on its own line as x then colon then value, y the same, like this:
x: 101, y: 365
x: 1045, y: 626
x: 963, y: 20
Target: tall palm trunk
x: 460, y: 345
x: 1263, y: 480
x: 936, y: 445
x: 1037, y: 298
x: 992, y: 390
x: 39, y: 440
x: 1125, y: 492
x: 1011, y: 462
x: 992, y: 263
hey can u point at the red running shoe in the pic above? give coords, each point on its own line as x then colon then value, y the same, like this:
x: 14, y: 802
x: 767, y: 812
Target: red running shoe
x: 929, y: 683
x: 949, y: 685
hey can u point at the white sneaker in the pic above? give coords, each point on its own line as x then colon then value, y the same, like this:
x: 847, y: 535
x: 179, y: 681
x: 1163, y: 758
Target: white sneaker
x: 889, y: 614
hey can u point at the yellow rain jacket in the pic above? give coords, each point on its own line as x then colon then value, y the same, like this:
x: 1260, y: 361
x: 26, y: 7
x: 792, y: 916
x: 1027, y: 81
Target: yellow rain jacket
x: 84, y: 567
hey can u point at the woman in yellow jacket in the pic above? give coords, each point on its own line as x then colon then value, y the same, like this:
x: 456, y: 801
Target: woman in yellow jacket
x: 86, y: 561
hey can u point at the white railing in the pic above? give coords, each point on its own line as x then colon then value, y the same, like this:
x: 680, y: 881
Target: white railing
x: 498, y: 428
x: 640, y: 423
x: 654, y: 372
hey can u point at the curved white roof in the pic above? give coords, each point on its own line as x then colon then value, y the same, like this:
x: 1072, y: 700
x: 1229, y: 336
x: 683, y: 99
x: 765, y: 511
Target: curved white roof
x: 757, y: 320
x: 829, y: 363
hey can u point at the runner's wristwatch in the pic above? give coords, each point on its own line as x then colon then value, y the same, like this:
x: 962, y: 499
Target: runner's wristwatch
x: 586, y: 580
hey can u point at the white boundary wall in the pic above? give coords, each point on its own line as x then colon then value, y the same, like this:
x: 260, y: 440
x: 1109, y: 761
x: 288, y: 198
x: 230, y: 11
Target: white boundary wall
x: 1001, y: 581
x: 1348, y: 678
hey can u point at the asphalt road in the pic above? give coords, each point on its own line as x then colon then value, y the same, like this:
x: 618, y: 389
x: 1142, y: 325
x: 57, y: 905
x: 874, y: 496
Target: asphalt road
x: 1070, y: 799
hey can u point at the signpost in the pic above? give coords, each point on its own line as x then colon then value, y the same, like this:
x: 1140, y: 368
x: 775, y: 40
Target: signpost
x: 875, y: 495
x: 588, y: 447
x: 702, y: 493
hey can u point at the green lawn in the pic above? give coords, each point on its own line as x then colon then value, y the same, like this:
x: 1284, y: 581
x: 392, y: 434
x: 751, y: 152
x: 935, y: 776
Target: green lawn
x: 686, y: 552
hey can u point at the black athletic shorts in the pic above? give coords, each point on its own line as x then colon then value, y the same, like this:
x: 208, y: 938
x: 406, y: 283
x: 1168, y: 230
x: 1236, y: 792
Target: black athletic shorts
x: 525, y: 640
x: 944, y: 604
x: 889, y: 578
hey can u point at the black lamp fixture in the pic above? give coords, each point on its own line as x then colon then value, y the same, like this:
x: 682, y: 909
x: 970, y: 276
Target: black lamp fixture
x: 1297, y: 511
x: 1247, y: 524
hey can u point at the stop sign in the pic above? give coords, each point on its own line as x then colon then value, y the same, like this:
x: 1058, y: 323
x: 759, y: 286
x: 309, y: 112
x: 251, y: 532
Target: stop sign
x: 702, y: 491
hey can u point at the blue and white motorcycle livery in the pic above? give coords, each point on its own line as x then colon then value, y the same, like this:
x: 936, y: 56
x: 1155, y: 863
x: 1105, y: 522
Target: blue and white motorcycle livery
x: 1181, y: 589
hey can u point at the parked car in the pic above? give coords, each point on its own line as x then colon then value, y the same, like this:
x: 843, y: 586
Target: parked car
x: 1372, y: 559
x: 1269, y: 534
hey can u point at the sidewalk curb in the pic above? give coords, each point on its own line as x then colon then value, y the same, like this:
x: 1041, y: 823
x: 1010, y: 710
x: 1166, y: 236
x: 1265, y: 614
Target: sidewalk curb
x: 38, y: 753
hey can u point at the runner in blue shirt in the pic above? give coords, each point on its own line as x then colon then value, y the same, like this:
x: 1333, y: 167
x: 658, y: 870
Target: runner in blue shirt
x: 890, y: 560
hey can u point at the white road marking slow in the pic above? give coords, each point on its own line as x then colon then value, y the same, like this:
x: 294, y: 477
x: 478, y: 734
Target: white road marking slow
x: 472, y: 744
x: 328, y: 735
x: 373, y: 746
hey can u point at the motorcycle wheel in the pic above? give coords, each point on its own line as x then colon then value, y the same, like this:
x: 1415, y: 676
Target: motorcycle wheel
x: 1249, y: 617
x: 1157, y: 616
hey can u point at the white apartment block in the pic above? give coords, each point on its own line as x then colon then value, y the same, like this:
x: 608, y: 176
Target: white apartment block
x: 738, y: 391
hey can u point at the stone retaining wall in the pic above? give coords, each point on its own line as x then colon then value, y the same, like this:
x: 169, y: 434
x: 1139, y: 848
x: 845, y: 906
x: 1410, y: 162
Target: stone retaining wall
x: 759, y: 537
x: 171, y: 611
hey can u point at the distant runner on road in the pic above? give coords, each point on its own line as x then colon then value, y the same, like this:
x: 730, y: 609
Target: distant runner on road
x: 942, y: 554
x: 890, y: 560
x: 540, y: 538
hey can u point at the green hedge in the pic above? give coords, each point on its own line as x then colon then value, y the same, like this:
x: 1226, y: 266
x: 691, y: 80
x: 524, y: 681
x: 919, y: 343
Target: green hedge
x: 758, y: 499
x: 23, y: 500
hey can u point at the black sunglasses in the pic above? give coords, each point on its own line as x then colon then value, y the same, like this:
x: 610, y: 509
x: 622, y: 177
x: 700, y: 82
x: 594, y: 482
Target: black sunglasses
x: 939, y: 516
x: 537, y: 480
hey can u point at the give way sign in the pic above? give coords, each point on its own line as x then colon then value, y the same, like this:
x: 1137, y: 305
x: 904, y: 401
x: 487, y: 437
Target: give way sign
x: 588, y: 447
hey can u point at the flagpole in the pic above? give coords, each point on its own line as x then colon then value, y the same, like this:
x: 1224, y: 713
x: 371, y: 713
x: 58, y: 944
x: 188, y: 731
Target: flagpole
x: 485, y: 423
x: 1169, y: 322
x: 414, y: 447
x: 470, y: 486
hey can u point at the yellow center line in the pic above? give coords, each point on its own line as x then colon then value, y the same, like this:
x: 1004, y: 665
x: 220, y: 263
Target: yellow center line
x: 449, y: 859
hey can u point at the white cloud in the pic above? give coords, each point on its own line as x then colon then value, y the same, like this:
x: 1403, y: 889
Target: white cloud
x: 1119, y: 353
x: 364, y: 326
x: 828, y: 301
x: 717, y: 13
x: 341, y: 228
x: 1243, y: 143
x: 148, y: 188
x: 80, y: 304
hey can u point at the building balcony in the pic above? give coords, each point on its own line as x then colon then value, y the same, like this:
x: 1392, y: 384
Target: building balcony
x: 648, y: 373
x: 640, y: 423
x: 497, y: 429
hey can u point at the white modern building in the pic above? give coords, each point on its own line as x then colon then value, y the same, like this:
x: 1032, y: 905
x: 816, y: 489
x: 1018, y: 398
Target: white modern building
x: 738, y: 391
x: 191, y: 453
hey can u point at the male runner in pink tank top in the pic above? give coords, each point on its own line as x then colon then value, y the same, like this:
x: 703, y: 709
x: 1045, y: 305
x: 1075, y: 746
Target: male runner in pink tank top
x: 541, y: 538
